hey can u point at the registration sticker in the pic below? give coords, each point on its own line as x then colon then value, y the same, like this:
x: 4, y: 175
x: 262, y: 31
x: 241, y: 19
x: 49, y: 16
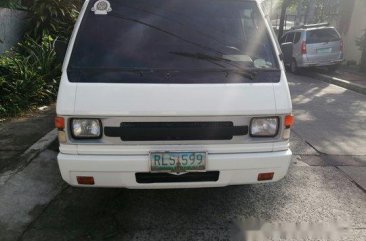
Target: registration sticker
x: 101, y: 7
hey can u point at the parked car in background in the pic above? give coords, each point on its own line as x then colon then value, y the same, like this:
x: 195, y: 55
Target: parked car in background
x: 315, y: 45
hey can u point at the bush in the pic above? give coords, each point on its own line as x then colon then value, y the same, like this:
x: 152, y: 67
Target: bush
x: 13, y: 4
x: 29, y: 75
x: 30, y: 71
x: 361, y: 43
x: 52, y: 17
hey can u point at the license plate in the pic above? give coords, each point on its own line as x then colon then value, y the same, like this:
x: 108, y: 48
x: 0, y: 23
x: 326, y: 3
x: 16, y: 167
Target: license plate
x: 178, y: 161
x: 324, y: 50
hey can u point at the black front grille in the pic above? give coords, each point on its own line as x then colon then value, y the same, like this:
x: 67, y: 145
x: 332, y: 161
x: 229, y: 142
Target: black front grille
x: 167, y: 178
x: 175, y: 131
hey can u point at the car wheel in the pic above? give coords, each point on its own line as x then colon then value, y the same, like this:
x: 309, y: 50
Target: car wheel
x: 333, y: 68
x: 293, y: 67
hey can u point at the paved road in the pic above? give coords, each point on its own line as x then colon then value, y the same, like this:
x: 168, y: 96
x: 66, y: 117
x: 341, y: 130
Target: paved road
x: 318, y: 188
x: 331, y: 118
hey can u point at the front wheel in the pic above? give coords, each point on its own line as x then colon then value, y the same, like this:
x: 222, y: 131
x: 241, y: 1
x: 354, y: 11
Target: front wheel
x: 333, y: 68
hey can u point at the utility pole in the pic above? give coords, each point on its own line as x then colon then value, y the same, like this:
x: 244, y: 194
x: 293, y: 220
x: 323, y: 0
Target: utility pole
x: 285, y: 4
x: 271, y: 9
x: 299, y: 12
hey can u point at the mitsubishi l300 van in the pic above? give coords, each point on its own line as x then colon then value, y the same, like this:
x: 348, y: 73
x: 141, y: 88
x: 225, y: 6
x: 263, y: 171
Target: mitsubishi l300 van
x: 173, y: 94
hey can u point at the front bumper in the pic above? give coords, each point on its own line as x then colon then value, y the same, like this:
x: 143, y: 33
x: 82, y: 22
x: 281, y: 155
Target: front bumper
x: 120, y: 170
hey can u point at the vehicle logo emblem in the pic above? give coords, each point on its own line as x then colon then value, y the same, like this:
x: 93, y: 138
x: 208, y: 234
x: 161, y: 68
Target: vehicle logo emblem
x: 101, y: 7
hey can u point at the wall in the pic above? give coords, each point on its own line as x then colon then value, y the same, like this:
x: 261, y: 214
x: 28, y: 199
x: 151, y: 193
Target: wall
x: 356, y: 29
x: 12, y: 23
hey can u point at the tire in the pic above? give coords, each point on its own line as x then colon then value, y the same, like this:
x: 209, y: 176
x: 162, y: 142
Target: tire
x: 293, y: 67
x: 333, y: 68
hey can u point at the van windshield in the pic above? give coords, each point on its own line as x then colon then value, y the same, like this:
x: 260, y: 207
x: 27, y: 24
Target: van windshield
x: 323, y: 35
x: 194, y: 41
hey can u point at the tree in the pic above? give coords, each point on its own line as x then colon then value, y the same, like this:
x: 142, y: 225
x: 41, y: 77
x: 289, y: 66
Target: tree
x: 361, y: 43
x: 284, y: 7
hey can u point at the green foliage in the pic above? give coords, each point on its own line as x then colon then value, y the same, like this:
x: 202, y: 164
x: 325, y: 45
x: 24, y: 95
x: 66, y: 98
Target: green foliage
x: 30, y: 71
x: 28, y: 75
x: 13, y: 4
x: 361, y: 43
x: 52, y: 17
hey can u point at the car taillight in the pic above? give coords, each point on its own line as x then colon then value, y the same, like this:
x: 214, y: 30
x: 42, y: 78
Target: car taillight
x: 341, y: 45
x: 303, y: 47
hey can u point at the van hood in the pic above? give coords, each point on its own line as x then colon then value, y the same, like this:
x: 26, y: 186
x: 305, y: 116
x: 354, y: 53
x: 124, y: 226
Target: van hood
x: 170, y: 100
x: 177, y: 100
x: 103, y: 99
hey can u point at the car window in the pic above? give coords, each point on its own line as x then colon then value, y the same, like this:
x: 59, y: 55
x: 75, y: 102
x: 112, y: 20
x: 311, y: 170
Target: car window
x: 290, y: 37
x: 322, y: 36
x: 171, y: 34
x: 297, y: 37
x: 283, y: 39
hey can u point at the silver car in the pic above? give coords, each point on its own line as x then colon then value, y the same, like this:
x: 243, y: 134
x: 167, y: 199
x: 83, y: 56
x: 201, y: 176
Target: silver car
x: 316, y: 45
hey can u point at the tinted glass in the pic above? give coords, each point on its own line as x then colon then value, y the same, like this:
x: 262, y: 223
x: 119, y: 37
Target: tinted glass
x: 283, y: 39
x: 297, y: 37
x: 322, y: 36
x: 171, y: 35
x: 290, y: 37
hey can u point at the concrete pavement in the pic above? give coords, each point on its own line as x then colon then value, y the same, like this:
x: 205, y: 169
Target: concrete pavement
x: 329, y: 117
x: 307, y: 195
x: 18, y: 134
x: 24, y: 196
x: 332, y: 120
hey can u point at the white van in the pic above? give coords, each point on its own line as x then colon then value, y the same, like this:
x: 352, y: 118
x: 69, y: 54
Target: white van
x: 173, y: 94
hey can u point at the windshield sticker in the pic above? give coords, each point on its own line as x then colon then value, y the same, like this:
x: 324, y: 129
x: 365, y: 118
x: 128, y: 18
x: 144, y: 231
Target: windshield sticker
x: 238, y: 58
x: 261, y: 63
x: 101, y: 7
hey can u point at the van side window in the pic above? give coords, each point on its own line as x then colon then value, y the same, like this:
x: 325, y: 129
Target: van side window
x: 283, y: 39
x: 297, y: 37
x: 290, y: 37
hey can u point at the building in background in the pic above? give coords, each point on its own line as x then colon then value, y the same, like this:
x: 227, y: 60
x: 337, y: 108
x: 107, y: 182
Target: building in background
x: 352, y: 25
x: 11, y: 27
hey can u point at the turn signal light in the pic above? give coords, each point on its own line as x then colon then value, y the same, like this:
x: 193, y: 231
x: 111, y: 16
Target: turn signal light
x: 85, y: 180
x: 265, y: 176
x: 289, y: 121
x: 60, y: 123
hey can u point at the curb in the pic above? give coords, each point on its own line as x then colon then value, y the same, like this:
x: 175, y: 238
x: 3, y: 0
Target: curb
x: 340, y: 82
x: 32, y: 152
x: 39, y: 146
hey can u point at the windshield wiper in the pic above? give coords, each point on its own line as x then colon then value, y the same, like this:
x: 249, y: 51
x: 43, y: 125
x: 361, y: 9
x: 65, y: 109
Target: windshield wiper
x: 201, y: 56
x: 210, y: 58
x: 247, y: 73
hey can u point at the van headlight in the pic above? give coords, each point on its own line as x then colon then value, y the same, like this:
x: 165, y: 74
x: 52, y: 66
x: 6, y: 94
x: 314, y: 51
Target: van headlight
x: 264, y: 127
x: 86, y: 128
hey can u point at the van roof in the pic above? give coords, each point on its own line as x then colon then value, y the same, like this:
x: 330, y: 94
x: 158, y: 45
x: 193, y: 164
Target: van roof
x: 311, y: 26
